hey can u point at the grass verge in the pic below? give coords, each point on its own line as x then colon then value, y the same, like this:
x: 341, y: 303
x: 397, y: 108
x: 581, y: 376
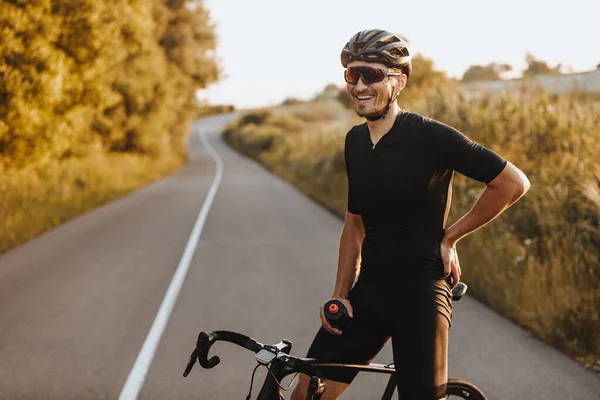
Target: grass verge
x: 37, y: 198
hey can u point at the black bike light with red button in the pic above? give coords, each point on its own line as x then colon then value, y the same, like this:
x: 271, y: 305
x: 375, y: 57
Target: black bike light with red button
x: 337, y: 314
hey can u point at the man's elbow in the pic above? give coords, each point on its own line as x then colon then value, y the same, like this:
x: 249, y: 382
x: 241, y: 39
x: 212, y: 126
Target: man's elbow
x: 519, y: 184
x: 512, y: 181
x: 522, y: 183
x: 525, y: 184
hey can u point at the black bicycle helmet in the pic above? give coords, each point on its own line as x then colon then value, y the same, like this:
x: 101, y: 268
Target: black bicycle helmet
x: 376, y: 45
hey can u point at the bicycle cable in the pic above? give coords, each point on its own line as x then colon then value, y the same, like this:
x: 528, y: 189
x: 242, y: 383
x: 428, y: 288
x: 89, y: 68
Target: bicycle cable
x: 251, y: 382
x: 279, y: 383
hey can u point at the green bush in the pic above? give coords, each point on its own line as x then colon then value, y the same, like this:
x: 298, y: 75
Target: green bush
x: 83, y: 79
x: 80, y: 74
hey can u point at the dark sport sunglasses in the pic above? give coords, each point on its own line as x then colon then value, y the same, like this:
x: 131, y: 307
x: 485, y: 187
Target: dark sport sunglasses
x: 369, y: 75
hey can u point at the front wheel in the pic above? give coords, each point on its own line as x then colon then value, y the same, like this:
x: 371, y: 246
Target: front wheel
x: 459, y: 389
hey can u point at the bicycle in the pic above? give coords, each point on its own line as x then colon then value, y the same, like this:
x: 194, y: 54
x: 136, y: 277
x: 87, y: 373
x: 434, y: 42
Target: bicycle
x: 280, y: 364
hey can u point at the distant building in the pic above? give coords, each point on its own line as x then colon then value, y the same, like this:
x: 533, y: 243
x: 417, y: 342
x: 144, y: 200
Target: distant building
x: 588, y: 82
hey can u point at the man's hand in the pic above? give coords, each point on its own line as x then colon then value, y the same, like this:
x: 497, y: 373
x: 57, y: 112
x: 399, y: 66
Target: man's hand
x: 326, y: 325
x: 451, y: 264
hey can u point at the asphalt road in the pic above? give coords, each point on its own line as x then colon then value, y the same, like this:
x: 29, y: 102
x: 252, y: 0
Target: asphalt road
x: 77, y: 303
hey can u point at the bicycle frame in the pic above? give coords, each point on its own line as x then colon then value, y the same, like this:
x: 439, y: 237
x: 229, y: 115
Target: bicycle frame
x: 271, y: 391
x: 281, y: 364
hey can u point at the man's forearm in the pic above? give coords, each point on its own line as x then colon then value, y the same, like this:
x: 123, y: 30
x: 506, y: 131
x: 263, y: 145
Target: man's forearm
x: 349, y: 259
x: 496, y: 198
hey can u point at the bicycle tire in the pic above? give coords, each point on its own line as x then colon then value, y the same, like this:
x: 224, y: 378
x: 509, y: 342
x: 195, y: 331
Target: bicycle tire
x: 458, y: 388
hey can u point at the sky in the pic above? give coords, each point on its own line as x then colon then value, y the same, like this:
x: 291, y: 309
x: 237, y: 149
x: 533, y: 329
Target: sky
x: 270, y: 50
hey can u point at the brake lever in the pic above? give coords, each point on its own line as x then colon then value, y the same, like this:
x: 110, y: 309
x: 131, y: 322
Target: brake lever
x: 205, y: 341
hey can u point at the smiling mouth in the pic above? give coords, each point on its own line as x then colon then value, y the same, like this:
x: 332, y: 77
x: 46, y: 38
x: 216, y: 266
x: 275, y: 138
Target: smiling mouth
x: 363, y: 98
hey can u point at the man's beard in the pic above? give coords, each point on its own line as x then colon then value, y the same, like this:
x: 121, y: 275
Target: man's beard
x: 374, y: 111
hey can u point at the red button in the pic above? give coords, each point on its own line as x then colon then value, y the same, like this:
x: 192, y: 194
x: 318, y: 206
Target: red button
x: 333, y: 308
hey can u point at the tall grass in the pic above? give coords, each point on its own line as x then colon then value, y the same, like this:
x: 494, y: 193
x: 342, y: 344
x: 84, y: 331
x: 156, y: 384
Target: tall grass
x: 538, y: 262
x: 37, y: 198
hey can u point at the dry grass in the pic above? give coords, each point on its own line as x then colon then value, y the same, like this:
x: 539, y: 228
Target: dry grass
x: 538, y: 263
x: 35, y: 199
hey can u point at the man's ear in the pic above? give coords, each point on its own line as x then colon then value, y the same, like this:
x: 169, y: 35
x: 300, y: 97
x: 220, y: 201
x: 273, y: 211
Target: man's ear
x: 401, y: 82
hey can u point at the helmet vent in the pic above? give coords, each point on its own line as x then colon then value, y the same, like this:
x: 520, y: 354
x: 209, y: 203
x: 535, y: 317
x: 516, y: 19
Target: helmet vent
x: 382, y: 42
x: 396, y: 53
x: 358, y: 46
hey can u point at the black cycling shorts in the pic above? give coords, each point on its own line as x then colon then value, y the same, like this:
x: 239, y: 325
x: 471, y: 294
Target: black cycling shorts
x: 416, y: 314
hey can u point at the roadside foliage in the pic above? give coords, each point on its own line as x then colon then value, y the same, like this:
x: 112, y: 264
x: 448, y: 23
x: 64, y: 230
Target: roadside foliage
x: 96, y: 99
x: 538, y: 262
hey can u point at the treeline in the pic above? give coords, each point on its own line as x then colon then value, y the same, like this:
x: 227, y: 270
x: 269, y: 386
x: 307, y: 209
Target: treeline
x: 96, y: 99
x: 494, y: 71
x: 82, y: 76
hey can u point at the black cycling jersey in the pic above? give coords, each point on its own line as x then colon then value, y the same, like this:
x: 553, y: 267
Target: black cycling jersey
x: 402, y: 189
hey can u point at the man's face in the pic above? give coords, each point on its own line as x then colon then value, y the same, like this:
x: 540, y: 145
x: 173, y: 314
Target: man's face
x: 370, y: 100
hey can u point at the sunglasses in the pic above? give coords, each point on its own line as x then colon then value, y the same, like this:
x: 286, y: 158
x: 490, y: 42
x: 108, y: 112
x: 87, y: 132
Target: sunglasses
x: 369, y: 75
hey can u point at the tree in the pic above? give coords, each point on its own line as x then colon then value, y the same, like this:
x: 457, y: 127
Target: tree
x: 82, y: 75
x: 538, y: 67
x: 490, y: 72
x: 330, y: 91
x: 424, y: 74
x: 187, y: 36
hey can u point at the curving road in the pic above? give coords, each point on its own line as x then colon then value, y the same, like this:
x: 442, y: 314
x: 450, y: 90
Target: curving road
x: 78, y: 302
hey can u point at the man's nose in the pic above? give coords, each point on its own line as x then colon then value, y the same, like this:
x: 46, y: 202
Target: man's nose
x: 360, y: 85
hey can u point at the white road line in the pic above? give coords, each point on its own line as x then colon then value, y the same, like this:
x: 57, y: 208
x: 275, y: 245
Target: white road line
x: 137, y: 376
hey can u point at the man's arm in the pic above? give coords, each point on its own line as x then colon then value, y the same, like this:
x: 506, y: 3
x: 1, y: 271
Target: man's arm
x: 349, y: 258
x: 351, y: 240
x: 502, y: 192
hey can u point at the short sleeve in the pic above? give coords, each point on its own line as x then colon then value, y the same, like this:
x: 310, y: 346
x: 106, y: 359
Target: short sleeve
x: 464, y: 155
x: 352, y: 200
